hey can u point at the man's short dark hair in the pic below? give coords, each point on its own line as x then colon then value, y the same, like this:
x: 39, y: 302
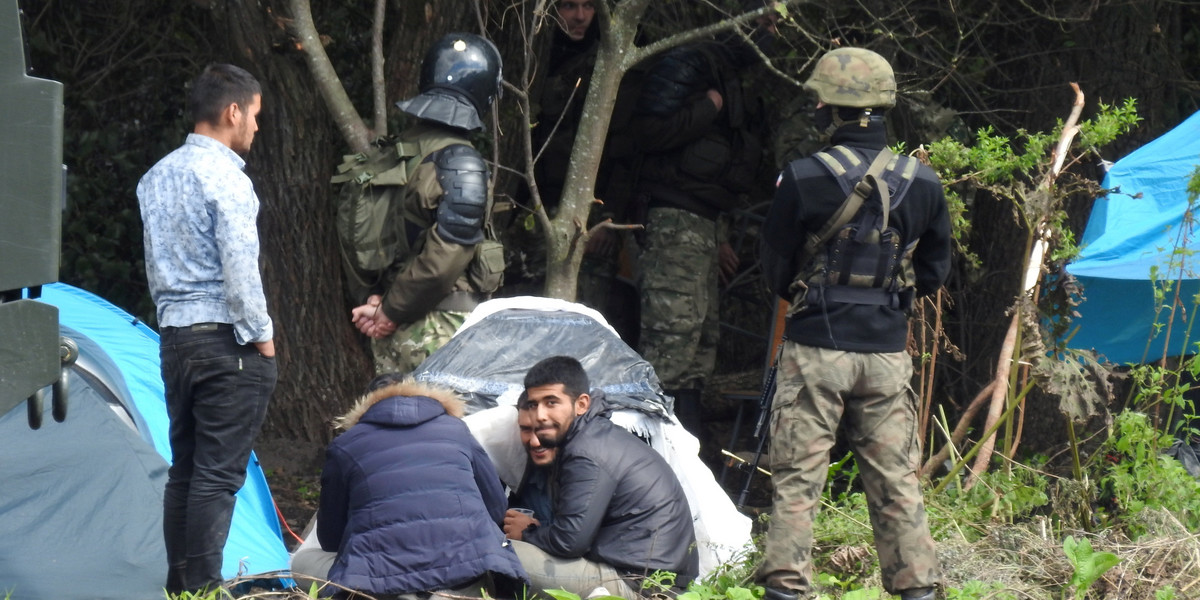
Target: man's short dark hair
x: 216, y: 88
x: 558, y: 369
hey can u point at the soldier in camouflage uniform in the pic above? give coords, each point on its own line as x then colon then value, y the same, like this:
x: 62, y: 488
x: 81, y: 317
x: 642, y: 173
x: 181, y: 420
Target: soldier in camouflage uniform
x: 844, y: 356
x: 435, y: 279
x: 702, y: 136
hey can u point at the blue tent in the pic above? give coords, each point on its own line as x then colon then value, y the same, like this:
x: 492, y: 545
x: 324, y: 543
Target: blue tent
x: 1133, y: 245
x: 81, y: 501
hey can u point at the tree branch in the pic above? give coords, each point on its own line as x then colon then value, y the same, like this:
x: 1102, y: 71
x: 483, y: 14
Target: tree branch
x: 608, y: 224
x: 1041, y: 232
x: 345, y: 116
x: 378, y: 83
x: 639, y: 54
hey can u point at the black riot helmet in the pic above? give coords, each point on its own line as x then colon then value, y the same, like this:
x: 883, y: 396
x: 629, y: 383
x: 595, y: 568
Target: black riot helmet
x: 460, y: 78
x: 465, y: 63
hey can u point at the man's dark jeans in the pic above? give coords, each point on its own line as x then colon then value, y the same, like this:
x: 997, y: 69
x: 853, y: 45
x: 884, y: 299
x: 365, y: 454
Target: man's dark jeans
x: 217, y: 392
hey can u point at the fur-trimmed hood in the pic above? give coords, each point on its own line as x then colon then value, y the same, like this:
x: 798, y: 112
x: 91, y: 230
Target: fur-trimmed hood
x: 404, y: 406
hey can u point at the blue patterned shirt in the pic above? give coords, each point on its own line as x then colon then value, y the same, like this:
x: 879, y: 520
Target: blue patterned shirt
x: 199, y: 212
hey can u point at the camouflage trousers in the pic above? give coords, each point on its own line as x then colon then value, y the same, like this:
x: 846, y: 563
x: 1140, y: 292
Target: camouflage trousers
x: 678, y: 286
x: 817, y: 389
x: 408, y: 347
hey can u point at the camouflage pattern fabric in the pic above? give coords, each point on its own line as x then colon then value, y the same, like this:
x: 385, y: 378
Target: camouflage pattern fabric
x: 817, y: 388
x: 797, y: 135
x: 854, y: 77
x: 678, y: 285
x: 408, y: 347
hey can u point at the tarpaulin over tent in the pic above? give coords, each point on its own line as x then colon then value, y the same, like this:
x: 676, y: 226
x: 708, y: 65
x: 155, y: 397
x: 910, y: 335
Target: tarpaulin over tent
x: 81, y: 501
x: 486, y: 361
x: 1131, y: 243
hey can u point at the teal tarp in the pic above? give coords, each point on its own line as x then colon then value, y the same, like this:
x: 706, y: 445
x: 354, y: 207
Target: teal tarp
x: 1130, y: 242
x: 81, y: 501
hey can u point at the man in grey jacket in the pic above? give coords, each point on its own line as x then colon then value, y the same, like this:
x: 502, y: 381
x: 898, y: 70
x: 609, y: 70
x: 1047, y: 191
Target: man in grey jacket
x: 620, y: 513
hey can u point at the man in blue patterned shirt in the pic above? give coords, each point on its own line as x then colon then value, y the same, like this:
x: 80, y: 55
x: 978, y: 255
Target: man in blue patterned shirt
x: 199, y: 210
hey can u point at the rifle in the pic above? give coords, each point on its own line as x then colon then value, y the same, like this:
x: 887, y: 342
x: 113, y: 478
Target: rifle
x: 760, y: 427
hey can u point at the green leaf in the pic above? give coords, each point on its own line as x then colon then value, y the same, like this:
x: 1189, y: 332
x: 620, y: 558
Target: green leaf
x: 739, y: 593
x: 562, y: 595
x: 1089, y: 565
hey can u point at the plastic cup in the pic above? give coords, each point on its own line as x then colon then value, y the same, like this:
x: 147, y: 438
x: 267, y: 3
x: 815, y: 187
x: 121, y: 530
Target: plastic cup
x: 525, y: 511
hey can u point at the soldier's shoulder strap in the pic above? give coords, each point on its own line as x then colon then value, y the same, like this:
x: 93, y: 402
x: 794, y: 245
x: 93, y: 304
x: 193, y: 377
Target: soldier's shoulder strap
x: 393, y: 164
x: 849, y: 168
x: 860, y: 191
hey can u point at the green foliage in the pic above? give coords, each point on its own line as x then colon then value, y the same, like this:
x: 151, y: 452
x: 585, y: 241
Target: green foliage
x: 1088, y: 565
x: 1136, y: 476
x: 123, y: 98
x: 1013, y: 167
x: 1000, y: 495
x: 979, y: 590
x: 1155, y: 385
x: 843, y: 519
x: 217, y: 594
x: 1110, y: 123
x: 704, y: 591
x: 1167, y: 593
x: 828, y: 580
x: 863, y: 594
x: 308, y: 493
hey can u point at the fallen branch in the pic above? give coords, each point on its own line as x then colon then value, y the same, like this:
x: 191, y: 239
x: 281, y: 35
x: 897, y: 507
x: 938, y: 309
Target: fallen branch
x: 960, y: 430
x: 1033, y: 270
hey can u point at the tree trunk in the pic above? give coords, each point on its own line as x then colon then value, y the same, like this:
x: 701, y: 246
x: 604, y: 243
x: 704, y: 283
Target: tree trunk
x: 322, y: 362
x: 567, y: 236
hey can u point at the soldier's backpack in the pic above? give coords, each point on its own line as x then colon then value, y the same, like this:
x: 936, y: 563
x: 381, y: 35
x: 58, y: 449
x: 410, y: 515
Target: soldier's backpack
x: 370, y: 227
x: 856, y: 258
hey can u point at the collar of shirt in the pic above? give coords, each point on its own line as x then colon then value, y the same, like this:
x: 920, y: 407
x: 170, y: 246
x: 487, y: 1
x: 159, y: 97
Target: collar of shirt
x: 199, y: 139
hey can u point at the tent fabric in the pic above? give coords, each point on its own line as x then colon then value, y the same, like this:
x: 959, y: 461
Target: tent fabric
x: 81, y: 502
x: 1130, y: 246
x: 487, y: 358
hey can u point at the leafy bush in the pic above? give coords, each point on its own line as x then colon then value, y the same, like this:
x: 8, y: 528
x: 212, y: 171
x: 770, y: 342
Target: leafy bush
x: 1136, y: 476
x: 1000, y: 495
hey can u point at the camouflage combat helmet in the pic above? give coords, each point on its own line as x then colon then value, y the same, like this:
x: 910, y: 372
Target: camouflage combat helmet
x: 854, y: 77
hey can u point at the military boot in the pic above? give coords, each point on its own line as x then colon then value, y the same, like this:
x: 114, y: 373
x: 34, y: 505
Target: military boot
x: 772, y: 593
x: 917, y: 594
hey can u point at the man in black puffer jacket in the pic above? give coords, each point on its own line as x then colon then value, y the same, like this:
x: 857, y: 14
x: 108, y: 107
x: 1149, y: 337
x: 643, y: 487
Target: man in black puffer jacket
x: 700, y: 131
x: 620, y: 513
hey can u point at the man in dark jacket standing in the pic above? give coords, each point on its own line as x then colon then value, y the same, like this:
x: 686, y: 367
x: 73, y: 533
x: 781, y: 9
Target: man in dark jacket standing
x: 410, y: 501
x: 620, y: 513
x: 844, y: 355
x: 701, y: 135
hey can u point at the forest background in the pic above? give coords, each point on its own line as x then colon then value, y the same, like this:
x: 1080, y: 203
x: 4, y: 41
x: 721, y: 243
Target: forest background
x: 1003, y: 68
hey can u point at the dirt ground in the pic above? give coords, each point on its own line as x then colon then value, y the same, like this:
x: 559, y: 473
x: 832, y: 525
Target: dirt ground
x: 293, y: 470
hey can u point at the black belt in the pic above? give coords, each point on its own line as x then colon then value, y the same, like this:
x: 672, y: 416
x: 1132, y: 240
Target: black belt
x: 844, y: 294
x: 200, y: 327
